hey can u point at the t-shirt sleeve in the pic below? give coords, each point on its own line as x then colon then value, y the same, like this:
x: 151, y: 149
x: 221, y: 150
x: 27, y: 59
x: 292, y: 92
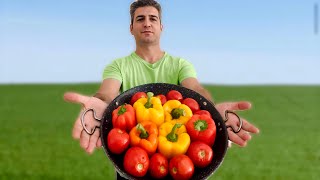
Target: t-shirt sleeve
x: 186, y: 70
x: 112, y: 71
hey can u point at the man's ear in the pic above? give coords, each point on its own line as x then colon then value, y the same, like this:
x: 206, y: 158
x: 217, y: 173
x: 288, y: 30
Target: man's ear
x: 161, y: 27
x: 131, y: 28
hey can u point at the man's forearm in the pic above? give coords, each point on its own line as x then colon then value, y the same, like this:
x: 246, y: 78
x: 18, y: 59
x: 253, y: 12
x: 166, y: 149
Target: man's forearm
x: 205, y: 93
x: 102, y: 97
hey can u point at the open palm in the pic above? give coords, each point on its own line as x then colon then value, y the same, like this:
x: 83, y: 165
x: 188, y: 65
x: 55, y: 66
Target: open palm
x: 87, y: 142
x: 241, y: 138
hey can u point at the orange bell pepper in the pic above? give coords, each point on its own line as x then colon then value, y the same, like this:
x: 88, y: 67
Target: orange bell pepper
x: 145, y: 135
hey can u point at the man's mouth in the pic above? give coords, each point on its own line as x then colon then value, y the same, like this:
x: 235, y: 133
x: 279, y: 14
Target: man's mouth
x: 146, y: 31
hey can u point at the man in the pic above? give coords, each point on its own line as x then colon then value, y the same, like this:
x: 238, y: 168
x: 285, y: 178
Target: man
x: 148, y: 64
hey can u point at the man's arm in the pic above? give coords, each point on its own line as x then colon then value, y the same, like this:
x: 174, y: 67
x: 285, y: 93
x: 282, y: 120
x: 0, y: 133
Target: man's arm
x: 108, y: 90
x: 193, y: 84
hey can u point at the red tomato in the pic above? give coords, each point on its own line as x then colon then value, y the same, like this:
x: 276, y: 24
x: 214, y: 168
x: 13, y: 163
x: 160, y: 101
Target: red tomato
x: 162, y: 98
x: 192, y: 104
x: 137, y: 96
x: 181, y: 167
x: 136, y: 161
x: 200, y: 153
x: 200, y: 112
x: 158, y: 166
x: 118, y: 140
x: 174, y: 95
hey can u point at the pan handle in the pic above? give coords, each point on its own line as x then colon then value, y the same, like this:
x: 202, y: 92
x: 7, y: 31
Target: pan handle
x: 94, y: 117
x: 227, y: 118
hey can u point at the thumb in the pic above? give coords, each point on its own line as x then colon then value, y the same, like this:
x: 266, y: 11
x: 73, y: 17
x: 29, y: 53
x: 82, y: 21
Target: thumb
x: 75, y: 98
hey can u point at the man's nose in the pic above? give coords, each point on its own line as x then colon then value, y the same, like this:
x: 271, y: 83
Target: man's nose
x: 147, y: 23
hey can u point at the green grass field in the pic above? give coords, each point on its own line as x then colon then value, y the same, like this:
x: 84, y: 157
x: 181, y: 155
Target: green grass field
x: 36, y: 142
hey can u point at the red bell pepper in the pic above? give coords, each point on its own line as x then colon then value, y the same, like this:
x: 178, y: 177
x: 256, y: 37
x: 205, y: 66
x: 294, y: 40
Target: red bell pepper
x: 202, y: 128
x: 200, y: 112
x: 124, y: 117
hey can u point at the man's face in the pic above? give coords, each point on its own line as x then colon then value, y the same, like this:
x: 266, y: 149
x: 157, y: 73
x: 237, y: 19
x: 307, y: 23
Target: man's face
x: 146, y: 27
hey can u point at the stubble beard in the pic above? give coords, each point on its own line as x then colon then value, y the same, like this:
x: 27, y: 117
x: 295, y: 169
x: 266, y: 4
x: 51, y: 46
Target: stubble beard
x: 149, y: 41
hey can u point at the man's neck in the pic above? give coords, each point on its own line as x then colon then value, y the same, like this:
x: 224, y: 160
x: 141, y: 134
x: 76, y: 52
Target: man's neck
x: 150, y: 54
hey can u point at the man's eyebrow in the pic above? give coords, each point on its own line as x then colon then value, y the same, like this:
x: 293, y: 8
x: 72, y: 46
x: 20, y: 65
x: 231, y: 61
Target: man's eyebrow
x: 140, y: 16
x: 143, y: 16
x: 154, y: 16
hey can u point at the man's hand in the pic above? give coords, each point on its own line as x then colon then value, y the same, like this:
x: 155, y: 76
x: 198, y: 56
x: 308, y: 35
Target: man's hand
x: 243, y: 136
x: 87, y: 142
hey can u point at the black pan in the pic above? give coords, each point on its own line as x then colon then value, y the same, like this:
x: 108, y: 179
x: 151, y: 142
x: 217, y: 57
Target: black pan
x: 219, y: 147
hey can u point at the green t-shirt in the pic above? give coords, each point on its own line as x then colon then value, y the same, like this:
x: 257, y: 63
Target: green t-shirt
x: 132, y: 71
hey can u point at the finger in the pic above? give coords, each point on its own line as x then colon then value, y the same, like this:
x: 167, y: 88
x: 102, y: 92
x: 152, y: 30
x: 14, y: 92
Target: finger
x: 84, y: 140
x: 244, y: 135
x: 241, y: 105
x: 77, y: 128
x: 99, y: 143
x: 93, y: 141
x: 233, y: 121
x: 75, y: 98
x: 249, y: 127
x: 236, y: 139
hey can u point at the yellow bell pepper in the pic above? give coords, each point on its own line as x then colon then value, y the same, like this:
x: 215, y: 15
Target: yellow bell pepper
x: 149, y: 109
x: 175, y: 112
x: 173, y: 139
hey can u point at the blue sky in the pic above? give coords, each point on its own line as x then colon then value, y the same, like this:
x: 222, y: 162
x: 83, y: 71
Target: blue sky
x: 229, y: 42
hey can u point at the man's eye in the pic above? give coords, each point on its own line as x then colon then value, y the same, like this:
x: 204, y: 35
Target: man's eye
x: 153, y: 19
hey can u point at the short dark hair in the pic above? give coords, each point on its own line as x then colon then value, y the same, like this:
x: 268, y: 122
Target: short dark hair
x: 142, y: 3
